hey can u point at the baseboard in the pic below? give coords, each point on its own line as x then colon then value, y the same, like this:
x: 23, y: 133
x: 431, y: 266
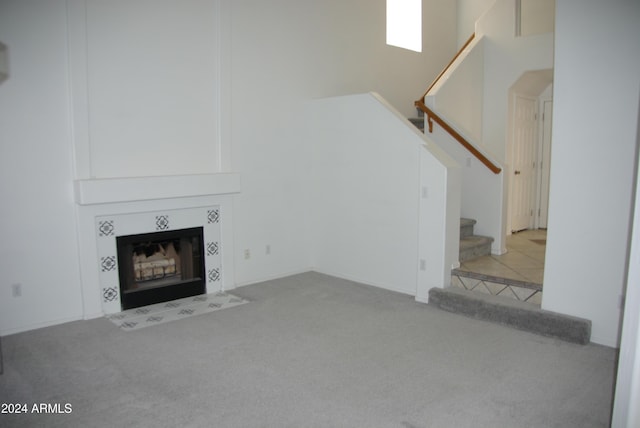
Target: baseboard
x: 498, y: 251
x: 36, y: 326
x: 365, y: 282
x: 422, y: 299
x: 271, y: 277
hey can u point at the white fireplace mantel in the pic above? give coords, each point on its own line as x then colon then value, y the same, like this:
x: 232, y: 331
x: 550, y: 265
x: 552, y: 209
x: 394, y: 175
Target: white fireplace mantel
x: 133, y: 189
x: 179, y: 198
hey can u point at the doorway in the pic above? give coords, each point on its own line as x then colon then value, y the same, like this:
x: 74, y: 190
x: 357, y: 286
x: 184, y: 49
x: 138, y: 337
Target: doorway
x: 523, y: 162
x: 529, y: 151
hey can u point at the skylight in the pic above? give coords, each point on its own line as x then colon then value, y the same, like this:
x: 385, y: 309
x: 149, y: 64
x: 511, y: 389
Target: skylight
x: 404, y: 24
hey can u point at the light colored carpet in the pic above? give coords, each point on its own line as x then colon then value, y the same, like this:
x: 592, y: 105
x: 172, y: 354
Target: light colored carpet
x: 308, y: 351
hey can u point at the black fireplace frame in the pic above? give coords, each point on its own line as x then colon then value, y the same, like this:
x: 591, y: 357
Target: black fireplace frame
x: 184, y: 288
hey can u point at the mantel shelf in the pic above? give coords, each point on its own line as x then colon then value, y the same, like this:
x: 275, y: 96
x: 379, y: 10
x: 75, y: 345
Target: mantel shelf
x: 134, y: 189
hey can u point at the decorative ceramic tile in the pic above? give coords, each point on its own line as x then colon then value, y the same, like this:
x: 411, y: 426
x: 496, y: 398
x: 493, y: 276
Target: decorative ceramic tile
x: 481, y: 288
x: 494, y: 288
x: 536, y: 298
x: 213, y: 248
x: 214, y: 275
x: 108, y: 264
x: 456, y: 282
x: 109, y: 294
x: 162, y: 222
x: 213, y: 216
x: 523, y: 293
x: 148, y: 222
x: 133, y: 319
x: 106, y: 228
x: 469, y: 283
x: 495, y: 279
x: 507, y: 292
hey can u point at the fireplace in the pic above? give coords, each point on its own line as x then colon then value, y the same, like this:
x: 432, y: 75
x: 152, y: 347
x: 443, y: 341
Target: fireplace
x: 160, y: 266
x: 116, y: 207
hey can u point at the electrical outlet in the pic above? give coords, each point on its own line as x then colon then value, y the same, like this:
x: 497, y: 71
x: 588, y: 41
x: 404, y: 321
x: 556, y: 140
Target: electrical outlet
x: 16, y: 290
x: 247, y: 254
x: 267, y: 249
x: 423, y: 264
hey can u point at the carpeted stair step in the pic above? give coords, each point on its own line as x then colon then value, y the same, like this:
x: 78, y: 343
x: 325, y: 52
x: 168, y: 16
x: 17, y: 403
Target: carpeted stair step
x: 466, y: 227
x: 474, y: 246
x: 418, y: 122
x: 512, y: 313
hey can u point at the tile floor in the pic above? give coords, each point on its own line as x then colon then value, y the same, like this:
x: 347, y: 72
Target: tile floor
x: 524, y: 260
x: 517, y: 274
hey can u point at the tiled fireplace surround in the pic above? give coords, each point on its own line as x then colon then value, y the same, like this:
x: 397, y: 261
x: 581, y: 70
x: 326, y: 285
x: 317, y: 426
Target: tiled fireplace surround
x: 124, y: 206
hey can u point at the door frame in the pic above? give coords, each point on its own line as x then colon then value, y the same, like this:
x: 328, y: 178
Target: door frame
x: 512, y: 132
x: 543, y: 163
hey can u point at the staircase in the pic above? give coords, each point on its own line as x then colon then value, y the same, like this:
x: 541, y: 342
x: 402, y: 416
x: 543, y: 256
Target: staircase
x: 472, y: 246
x: 504, y: 301
x: 418, y: 122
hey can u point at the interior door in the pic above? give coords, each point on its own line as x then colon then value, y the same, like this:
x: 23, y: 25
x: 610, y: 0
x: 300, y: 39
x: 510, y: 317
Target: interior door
x: 523, y: 163
x: 545, y: 164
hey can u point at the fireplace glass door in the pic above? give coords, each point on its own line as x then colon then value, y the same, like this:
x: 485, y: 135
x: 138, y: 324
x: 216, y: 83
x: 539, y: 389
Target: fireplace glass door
x: 161, y: 266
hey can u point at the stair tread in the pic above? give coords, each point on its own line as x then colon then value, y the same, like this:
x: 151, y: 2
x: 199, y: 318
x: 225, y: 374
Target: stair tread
x: 471, y: 245
x: 467, y: 222
x: 417, y: 122
x: 474, y: 240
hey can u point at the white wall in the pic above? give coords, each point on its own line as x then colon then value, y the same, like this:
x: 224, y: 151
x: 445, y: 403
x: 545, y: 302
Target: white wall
x: 38, y: 225
x: 597, y: 75
x: 626, y: 412
x: 284, y: 53
x: 506, y: 58
x: 496, y: 60
x: 460, y: 94
x: 439, y: 219
x: 151, y: 84
x: 537, y: 16
x: 468, y: 13
x: 368, y: 209
x: 64, y: 112
x: 366, y: 193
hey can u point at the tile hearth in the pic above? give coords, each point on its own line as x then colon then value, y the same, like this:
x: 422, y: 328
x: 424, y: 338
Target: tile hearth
x: 159, y: 313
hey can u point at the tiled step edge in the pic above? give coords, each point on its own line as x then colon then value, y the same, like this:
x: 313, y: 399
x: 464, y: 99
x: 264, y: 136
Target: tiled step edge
x: 497, y: 279
x: 513, y: 289
x: 511, y: 313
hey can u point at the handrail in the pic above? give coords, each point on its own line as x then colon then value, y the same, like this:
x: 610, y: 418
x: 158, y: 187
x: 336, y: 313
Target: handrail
x: 431, y: 116
x: 448, y: 65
